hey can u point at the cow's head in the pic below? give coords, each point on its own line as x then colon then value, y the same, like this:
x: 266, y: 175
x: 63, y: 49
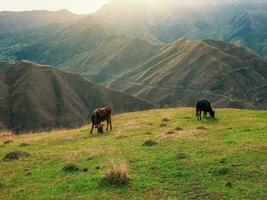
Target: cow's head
x: 100, y: 128
x: 212, y: 113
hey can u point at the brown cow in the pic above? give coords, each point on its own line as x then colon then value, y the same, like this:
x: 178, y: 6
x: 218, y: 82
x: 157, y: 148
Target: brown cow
x: 100, y: 115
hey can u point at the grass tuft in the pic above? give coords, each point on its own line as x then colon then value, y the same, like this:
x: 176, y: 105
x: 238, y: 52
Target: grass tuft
x: 8, y: 142
x: 179, y: 129
x: 170, y: 133
x: 163, y: 125
x: 220, y: 171
x: 148, y: 133
x: 116, y: 175
x: 181, y: 156
x: 15, y: 155
x: 150, y: 143
x: 71, y: 168
x: 166, y: 120
x: 201, y: 128
x: 24, y: 145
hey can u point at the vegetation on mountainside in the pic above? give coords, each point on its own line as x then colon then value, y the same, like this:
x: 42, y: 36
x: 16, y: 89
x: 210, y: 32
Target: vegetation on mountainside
x: 223, y: 158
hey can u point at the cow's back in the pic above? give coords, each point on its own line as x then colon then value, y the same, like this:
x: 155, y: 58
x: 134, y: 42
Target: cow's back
x: 203, y: 106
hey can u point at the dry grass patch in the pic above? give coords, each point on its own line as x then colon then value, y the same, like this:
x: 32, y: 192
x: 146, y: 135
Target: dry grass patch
x: 117, y: 175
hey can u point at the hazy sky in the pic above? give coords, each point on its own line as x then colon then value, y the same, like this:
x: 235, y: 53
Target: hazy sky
x: 76, y: 6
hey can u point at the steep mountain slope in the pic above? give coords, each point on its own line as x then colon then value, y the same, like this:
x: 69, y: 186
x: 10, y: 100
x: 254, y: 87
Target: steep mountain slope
x: 250, y: 29
x: 87, y: 50
x: 21, y: 21
x: 186, y: 71
x: 38, y: 98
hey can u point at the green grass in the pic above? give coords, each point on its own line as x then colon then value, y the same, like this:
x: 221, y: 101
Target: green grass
x: 227, y: 160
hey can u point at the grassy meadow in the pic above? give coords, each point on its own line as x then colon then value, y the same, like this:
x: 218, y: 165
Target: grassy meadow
x: 224, y: 158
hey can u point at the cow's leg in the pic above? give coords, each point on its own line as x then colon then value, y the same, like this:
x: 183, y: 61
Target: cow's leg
x: 200, y: 115
x: 92, y: 128
x: 205, y: 115
x: 110, y: 123
x: 107, y: 125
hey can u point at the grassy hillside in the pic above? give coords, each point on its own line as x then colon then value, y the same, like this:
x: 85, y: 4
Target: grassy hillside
x: 213, y: 159
x: 36, y: 97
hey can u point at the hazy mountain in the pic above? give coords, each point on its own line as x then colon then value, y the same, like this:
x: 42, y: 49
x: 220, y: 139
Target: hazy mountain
x: 21, y: 21
x: 36, y: 98
x: 164, y: 21
x: 186, y: 71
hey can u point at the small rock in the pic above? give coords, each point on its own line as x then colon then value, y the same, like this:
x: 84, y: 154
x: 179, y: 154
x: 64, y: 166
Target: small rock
x: 179, y: 129
x: 97, y: 167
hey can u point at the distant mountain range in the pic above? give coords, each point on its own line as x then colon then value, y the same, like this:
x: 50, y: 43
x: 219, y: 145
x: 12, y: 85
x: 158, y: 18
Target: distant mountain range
x: 13, y: 22
x: 39, y: 98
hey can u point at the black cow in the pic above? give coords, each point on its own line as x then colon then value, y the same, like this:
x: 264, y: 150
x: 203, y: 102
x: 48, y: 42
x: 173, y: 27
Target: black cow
x: 100, y: 115
x: 206, y: 108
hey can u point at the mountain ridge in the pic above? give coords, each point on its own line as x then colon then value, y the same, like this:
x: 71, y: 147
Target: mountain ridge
x: 37, y: 97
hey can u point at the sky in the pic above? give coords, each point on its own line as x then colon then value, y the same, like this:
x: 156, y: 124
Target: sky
x: 75, y: 6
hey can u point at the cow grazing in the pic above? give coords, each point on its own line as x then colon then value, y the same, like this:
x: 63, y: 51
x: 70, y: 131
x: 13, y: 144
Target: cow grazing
x: 204, y: 106
x: 100, y: 115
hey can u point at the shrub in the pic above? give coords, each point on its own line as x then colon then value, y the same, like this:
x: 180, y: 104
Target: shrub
x: 117, y: 175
